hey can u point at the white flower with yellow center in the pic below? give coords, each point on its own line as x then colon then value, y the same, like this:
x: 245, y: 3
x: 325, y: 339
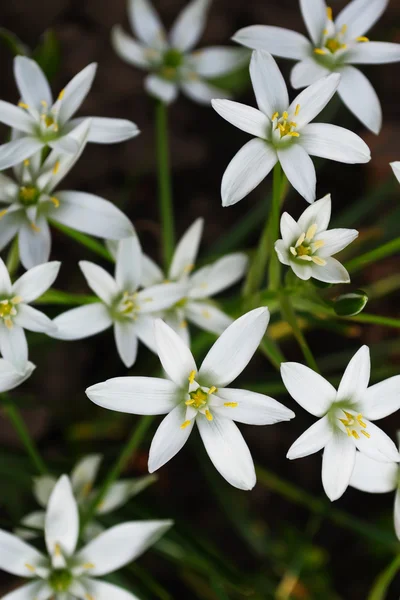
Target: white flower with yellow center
x: 307, y: 245
x: 32, y: 200
x: 283, y: 133
x: 129, y: 311
x: 39, y: 122
x: 200, y: 396
x: 345, y: 418
x: 67, y: 572
x: 173, y: 64
x: 335, y: 46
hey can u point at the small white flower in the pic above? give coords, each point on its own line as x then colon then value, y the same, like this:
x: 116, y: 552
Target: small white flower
x: 334, y: 47
x: 196, y: 306
x: 283, y: 133
x: 307, y: 246
x: 131, y: 312
x: 345, y: 418
x: 82, y: 480
x: 192, y: 396
x: 396, y: 170
x: 16, y: 314
x: 171, y: 60
x: 38, y: 121
x: 65, y: 571
x: 32, y: 200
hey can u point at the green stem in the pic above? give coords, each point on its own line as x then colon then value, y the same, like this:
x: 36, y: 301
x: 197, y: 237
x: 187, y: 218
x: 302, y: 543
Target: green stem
x: 12, y: 261
x: 164, y: 184
x: 274, y: 271
x: 362, y: 261
x: 126, y: 454
x: 84, y: 240
x: 15, y: 417
x: 383, y: 581
x: 289, y: 314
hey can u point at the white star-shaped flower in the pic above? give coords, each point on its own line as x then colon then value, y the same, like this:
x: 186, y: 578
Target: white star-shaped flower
x: 200, y: 396
x: 334, y: 47
x: 129, y: 311
x: 38, y: 121
x: 173, y: 64
x: 32, y: 200
x: 283, y: 133
x: 16, y: 314
x: 66, y: 571
x: 202, y: 284
x: 307, y: 245
x: 345, y: 418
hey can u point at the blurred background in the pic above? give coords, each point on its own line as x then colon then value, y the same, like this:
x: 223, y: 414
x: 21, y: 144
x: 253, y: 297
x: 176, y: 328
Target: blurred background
x: 283, y: 540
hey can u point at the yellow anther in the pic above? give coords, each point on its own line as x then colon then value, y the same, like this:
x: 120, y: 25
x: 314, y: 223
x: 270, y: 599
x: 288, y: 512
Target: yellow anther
x: 347, y: 429
x: 35, y: 228
x: 206, y: 314
x: 3, y: 212
x: 212, y: 390
x: 8, y: 323
x: 362, y: 38
x: 56, y: 168
x: 318, y: 244
x: 293, y: 251
x: 55, y: 201
x: 230, y: 404
x: 185, y: 424
x: 30, y: 567
x: 43, y: 103
x: 89, y: 597
x: 274, y: 116
x: 293, y: 124
x: 325, y: 32
x: 27, y: 162
x: 16, y: 300
x: 311, y: 231
x: 367, y: 435
x: 23, y: 105
x: 285, y: 115
x: 89, y: 565
x: 329, y: 13
x: 57, y: 550
x: 317, y: 260
x: 361, y: 422
x: 55, y: 127
x: 320, y: 51
x: 355, y: 434
x: 343, y: 30
x: 61, y: 95
x: 209, y: 416
x: 189, y: 268
x: 192, y: 376
x: 296, y: 112
x: 300, y: 240
x: 87, y: 488
x: 183, y: 324
x: 189, y: 402
x: 293, y: 134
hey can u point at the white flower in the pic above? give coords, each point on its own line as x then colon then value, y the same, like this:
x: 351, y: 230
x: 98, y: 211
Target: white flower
x: 196, y: 306
x: 38, y: 121
x: 171, y: 60
x: 32, y: 201
x: 283, y: 133
x: 307, y: 246
x: 378, y: 478
x: 65, y: 571
x: 345, y: 418
x: 334, y: 47
x: 122, y: 305
x: 16, y: 314
x: 396, y: 170
x: 191, y: 395
x: 82, y: 480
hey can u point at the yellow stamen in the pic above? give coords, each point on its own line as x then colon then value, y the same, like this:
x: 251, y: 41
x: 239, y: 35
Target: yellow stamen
x: 189, y: 402
x: 185, y: 424
x: 8, y: 323
x: 355, y: 434
x: 206, y: 314
x: 55, y: 201
x: 311, y: 231
x: 296, y: 112
x: 35, y: 227
x: 212, y: 390
x: 87, y: 488
x: 89, y: 565
x: 343, y: 30
x: 293, y: 134
x: 300, y: 240
x: 209, y: 416
x: 57, y: 550
x: 317, y: 260
x: 275, y: 116
x: 3, y: 212
x: 362, y: 38
x: 192, y: 376
x: 285, y: 115
x: 318, y: 244
x: 230, y: 404
x: 23, y: 105
x: 329, y: 13
x: 61, y: 95
x: 293, y: 124
x: 325, y: 31
x: 55, y: 127
x: 367, y: 435
x: 183, y: 324
x: 293, y: 251
x: 361, y: 422
x: 188, y: 268
x: 89, y: 597
x: 16, y: 300
x: 43, y: 103
x: 320, y: 51
x: 30, y: 567
x: 56, y: 168
x: 27, y: 162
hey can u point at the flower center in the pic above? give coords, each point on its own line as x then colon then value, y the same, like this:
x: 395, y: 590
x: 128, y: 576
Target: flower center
x: 334, y: 44
x: 8, y: 310
x: 305, y: 249
x: 127, y: 306
x: 60, y: 580
x: 28, y: 195
x: 197, y: 401
x: 333, y: 41
x: 173, y: 58
x: 285, y: 126
x: 354, y: 425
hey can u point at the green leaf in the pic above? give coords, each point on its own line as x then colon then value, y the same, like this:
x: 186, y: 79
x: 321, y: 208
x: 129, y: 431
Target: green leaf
x: 13, y: 43
x: 351, y: 304
x: 383, y: 581
x: 48, y: 54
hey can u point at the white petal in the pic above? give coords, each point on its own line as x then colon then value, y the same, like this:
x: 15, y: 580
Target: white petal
x: 335, y: 240
x: 268, y: 84
x: 373, y: 476
x: 18, y: 150
x: 34, y: 244
x: 101, y: 590
x: 9, y: 226
x: 354, y: 382
x: 67, y: 143
x: 314, y: 15
x: 207, y: 317
x: 382, y: 399
x: 146, y: 23
x: 360, y: 98
x: 186, y: 251
x: 276, y: 40
x: 10, y: 377
x: 244, y: 117
x: 176, y: 320
x: 16, y: 117
x: 144, y: 329
x: 160, y: 297
x: 34, y: 524
x: 359, y: 16
x: 32, y: 84
x: 218, y: 60
x: 313, y: 99
x: 189, y: 26
x: 92, y: 214
x: 334, y: 143
x: 121, y: 545
x: 101, y: 282
x: 290, y: 230
x: 314, y: 393
x: 42, y: 488
x: 135, y: 395
x: 217, y: 277
x: 378, y: 446
x: 282, y: 251
x: 14, y: 347
x: 318, y: 213
x: 128, y: 49
x: 151, y: 272
x: 252, y: 408
x: 332, y: 272
x: 246, y: 170
x: 32, y: 319
x: 374, y: 53
x: 337, y: 465
x: 121, y: 491
x: 37, y: 590
x: 126, y: 342
x: 307, y: 72
x: 82, y: 322
x: 301, y: 269
x: 128, y: 270
x: 397, y: 513
x: 35, y: 282
x: 75, y: 92
x: 111, y: 131
x: 234, y: 349
x: 396, y: 169
x: 62, y: 519
x: 202, y: 92
x: 228, y: 451
x: 164, y: 90
x: 5, y: 281
x: 312, y: 440
x: 169, y: 438
x: 16, y: 554
x: 299, y: 169
x: 175, y: 356
x: 84, y: 475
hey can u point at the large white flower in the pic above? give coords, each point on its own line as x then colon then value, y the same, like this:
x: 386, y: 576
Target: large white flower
x: 307, y: 246
x: 66, y: 571
x: 196, y: 306
x: 82, y: 480
x: 334, y: 47
x: 16, y: 314
x: 171, y: 60
x: 345, y: 418
x: 32, y: 200
x: 38, y: 121
x: 192, y: 396
x: 131, y: 312
x: 283, y: 133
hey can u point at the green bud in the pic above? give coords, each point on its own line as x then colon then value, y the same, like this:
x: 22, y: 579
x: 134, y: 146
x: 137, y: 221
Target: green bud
x: 351, y: 304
